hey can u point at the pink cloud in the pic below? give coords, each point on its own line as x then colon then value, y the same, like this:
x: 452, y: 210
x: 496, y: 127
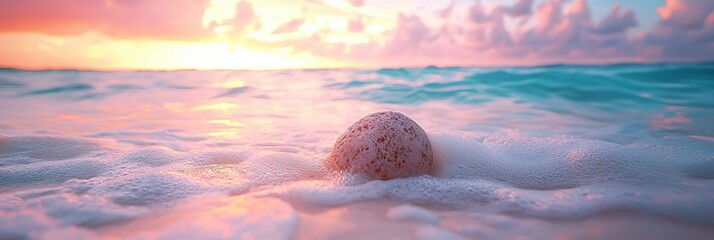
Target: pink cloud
x: 446, y: 12
x: 163, y: 19
x: 357, y: 3
x: 550, y: 31
x: 548, y: 15
x: 685, y: 14
x: 561, y: 31
x: 244, y: 19
x: 684, y: 33
x: 477, y: 13
x: 521, y: 8
x: 617, y: 21
x: 410, y: 34
x: 356, y: 24
x: 290, y: 26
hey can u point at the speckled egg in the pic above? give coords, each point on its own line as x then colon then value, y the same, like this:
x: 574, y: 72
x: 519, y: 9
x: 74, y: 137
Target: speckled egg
x: 383, y: 145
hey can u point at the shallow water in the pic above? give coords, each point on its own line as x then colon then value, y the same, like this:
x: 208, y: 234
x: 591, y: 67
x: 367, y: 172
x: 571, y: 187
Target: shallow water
x: 615, y: 151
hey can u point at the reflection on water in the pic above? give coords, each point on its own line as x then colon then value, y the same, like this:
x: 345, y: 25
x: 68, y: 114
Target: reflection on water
x: 221, y: 107
x: 219, y: 217
x: 231, y: 83
x: 616, y: 103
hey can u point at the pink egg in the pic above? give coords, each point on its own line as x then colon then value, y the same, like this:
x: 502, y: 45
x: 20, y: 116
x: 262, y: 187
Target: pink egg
x: 383, y: 145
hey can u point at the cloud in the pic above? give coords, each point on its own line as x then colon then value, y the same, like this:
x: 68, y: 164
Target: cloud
x: 617, y: 21
x: 685, y: 14
x: 573, y: 36
x: 563, y: 31
x: 245, y: 19
x: 356, y: 25
x: 552, y: 31
x: 521, y: 8
x: 446, y: 12
x: 548, y: 15
x: 686, y: 31
x: 477, y: 13
x: 159, y: 19
x: 410, y: 34
x: 288, y: 27
x: 357, y: 3
x: 524, y: 32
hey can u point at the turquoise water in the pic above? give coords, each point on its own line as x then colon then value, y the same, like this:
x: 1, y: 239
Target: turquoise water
x: 522, y: 152
x: 612, y: 102
x: 661, y: 99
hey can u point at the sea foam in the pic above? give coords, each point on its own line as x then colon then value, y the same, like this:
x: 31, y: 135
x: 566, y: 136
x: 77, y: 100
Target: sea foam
x: 93, y: 185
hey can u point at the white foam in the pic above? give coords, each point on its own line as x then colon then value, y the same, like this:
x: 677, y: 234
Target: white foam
x: 32, y: 224
x: 30, y: 149
x: 93, y: 186
x: 82, y: 210
x: 40, y: 160
x: 41, y: 173
x: 435, y: 233
x: 151, y: 156
x: 548, y: 163
x: 412, y: 213
x: 147, y: 189
x: 458, y: 157
x: 546, y: 177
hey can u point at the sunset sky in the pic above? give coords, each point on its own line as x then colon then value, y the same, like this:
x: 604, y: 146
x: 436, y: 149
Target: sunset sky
x: 276, y: 34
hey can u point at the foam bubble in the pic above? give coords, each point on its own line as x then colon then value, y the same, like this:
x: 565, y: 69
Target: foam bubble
x: 32, y: 224
x: 544, y: 177
x: 412, y: 213
x: 435, y: 233
x: 40, y: 160
x: 548, y: 163
x: 151, y: 156
x: 458, y: 157
x: 30, y: 149
x: 694, y: 157
x: 562, y: 178
x: 82, y: 210
x: 273, y: 168
x: 148, y: 189
x: 223, y: 157
x: 50, y: 173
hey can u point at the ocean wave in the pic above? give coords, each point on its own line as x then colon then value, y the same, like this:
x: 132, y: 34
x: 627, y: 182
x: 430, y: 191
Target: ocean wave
x: 226, y: 153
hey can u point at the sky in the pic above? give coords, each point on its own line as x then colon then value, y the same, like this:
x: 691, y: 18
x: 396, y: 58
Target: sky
x: 277, y: 34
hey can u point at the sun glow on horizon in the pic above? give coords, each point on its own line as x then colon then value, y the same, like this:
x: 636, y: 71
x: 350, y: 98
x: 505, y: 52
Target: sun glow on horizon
x: 222, y: 50
x: 152, y: 55
x: 274, y: 34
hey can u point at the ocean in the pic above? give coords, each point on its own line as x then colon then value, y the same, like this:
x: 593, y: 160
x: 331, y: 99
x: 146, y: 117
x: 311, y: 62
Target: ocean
x: 560, y: 151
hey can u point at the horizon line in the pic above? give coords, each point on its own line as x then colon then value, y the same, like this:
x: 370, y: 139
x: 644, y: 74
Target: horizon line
x: 654, y: 62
